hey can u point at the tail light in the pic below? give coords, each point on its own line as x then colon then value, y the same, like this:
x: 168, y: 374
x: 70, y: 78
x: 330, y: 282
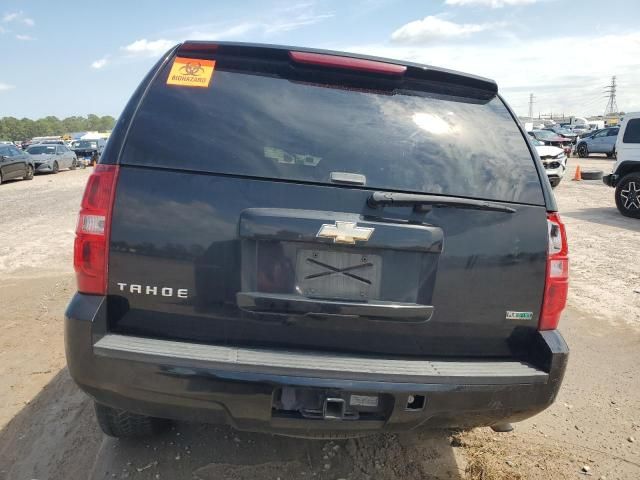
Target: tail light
x: 91, y: 248
x: 557, y: 280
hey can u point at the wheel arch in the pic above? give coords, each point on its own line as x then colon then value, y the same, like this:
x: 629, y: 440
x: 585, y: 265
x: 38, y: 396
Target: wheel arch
x: 627, y: 167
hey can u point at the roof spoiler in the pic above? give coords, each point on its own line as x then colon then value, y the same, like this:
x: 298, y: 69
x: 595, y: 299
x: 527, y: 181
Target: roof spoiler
x: 315, y: 58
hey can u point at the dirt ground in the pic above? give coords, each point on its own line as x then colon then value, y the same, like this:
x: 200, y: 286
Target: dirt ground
x: 47, y: 429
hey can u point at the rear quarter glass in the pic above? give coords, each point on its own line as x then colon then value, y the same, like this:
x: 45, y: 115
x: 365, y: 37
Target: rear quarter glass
x: 271, y: 127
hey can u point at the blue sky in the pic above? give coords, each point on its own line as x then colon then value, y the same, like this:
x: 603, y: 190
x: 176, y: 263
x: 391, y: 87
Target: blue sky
x: 80, y: 57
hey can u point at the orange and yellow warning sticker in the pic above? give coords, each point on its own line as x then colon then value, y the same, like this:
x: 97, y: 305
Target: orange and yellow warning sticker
x: 191, y: 72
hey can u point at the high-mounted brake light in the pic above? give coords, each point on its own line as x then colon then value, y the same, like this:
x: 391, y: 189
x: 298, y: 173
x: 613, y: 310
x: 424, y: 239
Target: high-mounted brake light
x: 198, y: 47
x: 91, y: 248
x: 556, y: 285
x: 347, y: 63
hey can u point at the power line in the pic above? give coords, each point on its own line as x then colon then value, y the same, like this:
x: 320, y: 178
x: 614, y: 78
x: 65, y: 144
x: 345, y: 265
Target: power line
x: 612, y: 105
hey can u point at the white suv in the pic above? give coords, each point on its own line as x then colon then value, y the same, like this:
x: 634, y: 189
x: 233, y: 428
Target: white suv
x: 625, y: 176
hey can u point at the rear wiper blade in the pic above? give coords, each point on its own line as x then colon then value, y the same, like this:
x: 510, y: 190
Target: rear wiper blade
x: 423, y: 202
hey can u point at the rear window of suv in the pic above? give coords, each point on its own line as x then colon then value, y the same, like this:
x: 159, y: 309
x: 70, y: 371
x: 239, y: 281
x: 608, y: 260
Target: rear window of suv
x: 272, y: 127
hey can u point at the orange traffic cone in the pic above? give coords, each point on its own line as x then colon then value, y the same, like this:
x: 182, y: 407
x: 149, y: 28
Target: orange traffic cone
x: 578, y: 176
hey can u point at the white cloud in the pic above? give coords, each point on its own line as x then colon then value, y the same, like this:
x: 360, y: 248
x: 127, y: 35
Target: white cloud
x: 10, y: 17
x: 297, y: 21
x: 6, y: 86
x: 151, y: 48
x: 569, y: 83
x: 285, y: 21
x: 280, y: 20
x: 24, y: 38
x: 491, y: 3
x: 18, y: 17
x: 100, y: 63
x: 432, y: 28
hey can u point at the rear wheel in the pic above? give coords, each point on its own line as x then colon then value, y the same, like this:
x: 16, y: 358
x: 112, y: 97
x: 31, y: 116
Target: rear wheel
x: 628, y: 195
x: 74, y: 164
x: 55, y: 168
x: 583, y: 150
x: 29, y: 173
x: 123, y: 424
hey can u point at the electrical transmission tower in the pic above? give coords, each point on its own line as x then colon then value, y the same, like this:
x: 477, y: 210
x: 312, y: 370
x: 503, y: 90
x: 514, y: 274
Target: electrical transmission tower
x: 612, y: 106
x: 531, y: 98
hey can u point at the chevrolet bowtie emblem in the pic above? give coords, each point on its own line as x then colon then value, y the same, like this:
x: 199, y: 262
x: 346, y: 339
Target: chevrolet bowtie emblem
x: 345, y: 232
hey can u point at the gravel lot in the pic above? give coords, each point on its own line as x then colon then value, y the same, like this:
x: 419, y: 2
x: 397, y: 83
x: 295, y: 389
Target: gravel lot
x: 47, y: 430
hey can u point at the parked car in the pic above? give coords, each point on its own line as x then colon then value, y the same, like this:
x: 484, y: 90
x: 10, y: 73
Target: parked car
x: 50, y: 158
x: 625, y: 176
x: 564, y: 133
x: 552, y: 139
x: 88, y: 151
x: 14, y: 164
x: 553, y: 159
x: 581, y: 129
x: 302, y: 274
x: 603, y: 141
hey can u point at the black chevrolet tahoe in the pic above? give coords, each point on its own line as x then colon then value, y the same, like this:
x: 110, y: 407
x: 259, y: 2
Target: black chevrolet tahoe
x: 316, y: 244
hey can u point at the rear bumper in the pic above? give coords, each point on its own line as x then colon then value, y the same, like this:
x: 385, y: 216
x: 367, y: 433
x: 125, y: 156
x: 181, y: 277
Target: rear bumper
x: 240, y: 386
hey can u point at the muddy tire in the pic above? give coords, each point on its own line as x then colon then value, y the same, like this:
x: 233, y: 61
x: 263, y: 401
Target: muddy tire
x: 628, y: 195
x: 123, y: 424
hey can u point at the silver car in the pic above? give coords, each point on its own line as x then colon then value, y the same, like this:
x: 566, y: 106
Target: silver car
x: 600, y: 141
x: 49, y: 158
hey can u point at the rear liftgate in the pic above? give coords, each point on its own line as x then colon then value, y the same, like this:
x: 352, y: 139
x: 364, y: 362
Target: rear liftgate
x: 300, y: 265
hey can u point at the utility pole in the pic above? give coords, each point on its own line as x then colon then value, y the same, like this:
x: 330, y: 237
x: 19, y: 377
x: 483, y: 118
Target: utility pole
x: 531, y: 97
x: 612, y: 106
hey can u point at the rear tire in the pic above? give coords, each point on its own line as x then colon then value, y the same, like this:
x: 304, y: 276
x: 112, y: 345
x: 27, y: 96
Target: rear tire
x: 628, y: 195
x: 583, y: 150
x: 55, y: 168
x: 29, y: 174
x: 74, y: 164
x: 122, y: 424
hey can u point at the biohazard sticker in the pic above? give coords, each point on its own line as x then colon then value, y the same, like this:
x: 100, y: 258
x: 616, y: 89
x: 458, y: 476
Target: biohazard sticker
x: 191, y: 72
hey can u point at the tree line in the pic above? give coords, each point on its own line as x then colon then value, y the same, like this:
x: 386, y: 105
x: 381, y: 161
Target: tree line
x: 15, y: 129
